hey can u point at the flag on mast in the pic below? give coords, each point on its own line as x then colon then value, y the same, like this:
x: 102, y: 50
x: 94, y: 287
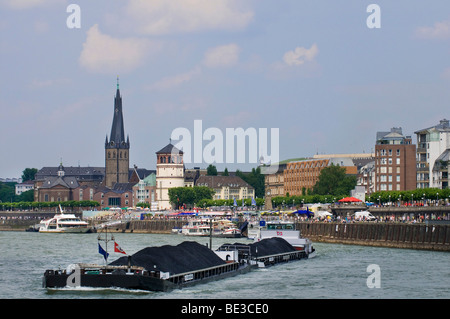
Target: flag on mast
x: 103, y: 252
x: 118, y: 249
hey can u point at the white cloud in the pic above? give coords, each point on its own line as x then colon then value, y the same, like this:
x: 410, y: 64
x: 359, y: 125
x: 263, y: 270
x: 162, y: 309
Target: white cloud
x: 222, y: 56
x: 300, y: 55
x: 158, y: 17
x: 176, y: 80
x: 440, y: 30
x: 217, y: 57
x: 104, y: 54
x: 27, y: 4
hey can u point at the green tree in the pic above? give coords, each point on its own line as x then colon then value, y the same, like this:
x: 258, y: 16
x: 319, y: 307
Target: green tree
x: 27, y: 196
x: 179, y: 196
x: 28, y: 174
x: 255, y: 179
x: 202, y: 192
x: 334, y: 181
x: 7, y: 192
x: 225, y: 172
x: 211, y: 170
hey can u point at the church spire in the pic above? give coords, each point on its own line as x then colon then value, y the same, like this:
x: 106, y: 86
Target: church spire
x: 117, y: 148
x: 117, y: 137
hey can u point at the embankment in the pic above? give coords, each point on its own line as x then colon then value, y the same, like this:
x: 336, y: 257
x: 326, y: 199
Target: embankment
x: 395, y: 235
x: 425, y: 236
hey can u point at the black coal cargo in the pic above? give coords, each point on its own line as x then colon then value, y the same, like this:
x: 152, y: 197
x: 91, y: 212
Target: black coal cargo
x: 185, y: 257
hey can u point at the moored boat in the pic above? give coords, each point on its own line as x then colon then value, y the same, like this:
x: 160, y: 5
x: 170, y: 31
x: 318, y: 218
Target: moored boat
x: 210, y: 227
x: 64, y: 223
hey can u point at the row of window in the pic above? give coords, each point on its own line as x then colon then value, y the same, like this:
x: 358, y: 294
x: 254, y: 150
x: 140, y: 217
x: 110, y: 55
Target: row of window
x: 388, y: 161
x: 387, y: 178
x: 171, y: 159
x: 389, y: 152
x: 389, y: 187
x: 121, y: 154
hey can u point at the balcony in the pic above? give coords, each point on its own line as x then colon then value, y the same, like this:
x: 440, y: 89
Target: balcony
x: 421, y: 150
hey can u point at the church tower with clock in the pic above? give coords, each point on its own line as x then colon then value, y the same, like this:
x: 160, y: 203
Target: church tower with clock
x: 117, y: 149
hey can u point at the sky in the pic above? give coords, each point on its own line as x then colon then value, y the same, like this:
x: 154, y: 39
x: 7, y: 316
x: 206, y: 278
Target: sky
x: 314, y: 70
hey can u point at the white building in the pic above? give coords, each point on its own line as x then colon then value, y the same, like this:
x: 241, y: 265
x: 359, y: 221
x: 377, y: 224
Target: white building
x: 433, y: 148
x: 227, y: 187
x: 169, y: 173
x: 23, y: 187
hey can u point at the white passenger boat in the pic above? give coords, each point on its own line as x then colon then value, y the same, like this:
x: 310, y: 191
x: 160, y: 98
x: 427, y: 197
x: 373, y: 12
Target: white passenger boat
x: 203, y: 227
x: 287, y: 231
x: 64, y: 223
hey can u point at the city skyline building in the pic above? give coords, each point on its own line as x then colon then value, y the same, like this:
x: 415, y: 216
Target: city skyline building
x: 395, y: 161
x: 433, y: 154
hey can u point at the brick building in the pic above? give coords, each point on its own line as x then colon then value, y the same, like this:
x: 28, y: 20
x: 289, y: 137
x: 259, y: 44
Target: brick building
x: 395, y: 161
x: 301, y: 176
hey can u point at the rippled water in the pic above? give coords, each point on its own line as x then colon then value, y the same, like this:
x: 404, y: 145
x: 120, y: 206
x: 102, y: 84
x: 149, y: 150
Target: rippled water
x: 338, y: 271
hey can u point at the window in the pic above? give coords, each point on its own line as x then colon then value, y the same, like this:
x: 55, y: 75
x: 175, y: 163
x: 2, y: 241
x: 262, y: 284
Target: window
x: 397, y: 161
x: 114, y: 201
x: 398, y: 152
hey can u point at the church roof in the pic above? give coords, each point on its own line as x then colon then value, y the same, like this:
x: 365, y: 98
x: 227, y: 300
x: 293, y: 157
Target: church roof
x: 65, y: 181
x: 81, y: 173
x: 169, y: 149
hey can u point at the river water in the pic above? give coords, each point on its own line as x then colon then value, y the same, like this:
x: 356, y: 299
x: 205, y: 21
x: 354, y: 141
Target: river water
x: 338, y: 271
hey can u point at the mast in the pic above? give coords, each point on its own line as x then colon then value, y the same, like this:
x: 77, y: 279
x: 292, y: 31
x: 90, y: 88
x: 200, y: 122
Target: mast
x: 106, y: 240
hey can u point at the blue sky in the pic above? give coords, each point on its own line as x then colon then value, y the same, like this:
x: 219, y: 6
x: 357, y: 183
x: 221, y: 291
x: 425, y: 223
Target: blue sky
x: 313, y: 69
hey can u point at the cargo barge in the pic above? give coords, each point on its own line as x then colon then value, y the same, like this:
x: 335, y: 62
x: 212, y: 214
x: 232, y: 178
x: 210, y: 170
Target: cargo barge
x: 170, y: 267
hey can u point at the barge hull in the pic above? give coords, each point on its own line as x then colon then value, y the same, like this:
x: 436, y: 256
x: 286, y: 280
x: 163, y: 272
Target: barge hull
x: 56, y: 279
x: 132, y: 281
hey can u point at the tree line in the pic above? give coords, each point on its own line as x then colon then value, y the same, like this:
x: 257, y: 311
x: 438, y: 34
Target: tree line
x: 202, y: 196
x: 38, y: 205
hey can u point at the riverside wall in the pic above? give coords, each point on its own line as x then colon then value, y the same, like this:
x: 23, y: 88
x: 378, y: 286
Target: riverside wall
x: 396, y: 235
x: 425, y: 236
